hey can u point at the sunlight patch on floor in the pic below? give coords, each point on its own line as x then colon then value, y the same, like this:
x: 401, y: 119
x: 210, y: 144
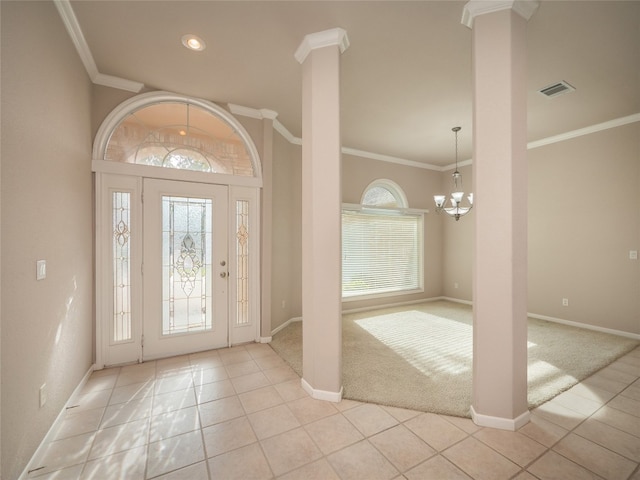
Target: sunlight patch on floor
x: 434, y: 345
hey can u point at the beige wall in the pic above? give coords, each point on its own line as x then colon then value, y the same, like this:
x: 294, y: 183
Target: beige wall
x: 47, y: 214
x: 584, y: 195
x: 457, y: 244
x: 287, y: 232
x: 103, y: 101
x: 584, y: 200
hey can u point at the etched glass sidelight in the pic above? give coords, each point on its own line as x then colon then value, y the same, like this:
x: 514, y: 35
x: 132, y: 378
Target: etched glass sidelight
x: 121, y: 255
x: 242, y: 249
x: 186, y: 261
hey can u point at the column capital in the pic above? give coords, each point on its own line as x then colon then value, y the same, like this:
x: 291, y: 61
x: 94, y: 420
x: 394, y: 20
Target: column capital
x: 326, y: 38
x: 525, y: 8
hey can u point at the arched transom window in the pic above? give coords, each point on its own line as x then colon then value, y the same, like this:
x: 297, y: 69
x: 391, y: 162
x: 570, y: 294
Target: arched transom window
x: 181, y: 135
x: 385, y: 194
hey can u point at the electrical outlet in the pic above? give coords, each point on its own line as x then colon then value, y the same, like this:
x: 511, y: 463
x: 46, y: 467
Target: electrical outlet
x: 284, y: 304
x: 41, y: 269
x: 633, y: 254
x: 455, y: 284
x: 565, y: 302
x: 43, y: 395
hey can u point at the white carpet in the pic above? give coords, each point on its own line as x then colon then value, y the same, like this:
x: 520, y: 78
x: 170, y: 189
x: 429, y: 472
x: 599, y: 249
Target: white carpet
x: 420, y: 356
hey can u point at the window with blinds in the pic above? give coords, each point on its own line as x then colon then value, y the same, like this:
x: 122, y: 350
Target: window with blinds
x: 381, y: 245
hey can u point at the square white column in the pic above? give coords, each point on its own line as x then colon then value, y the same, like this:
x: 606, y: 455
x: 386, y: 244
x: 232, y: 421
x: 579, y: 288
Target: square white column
x: 319, y: 55
x: 500, y: 187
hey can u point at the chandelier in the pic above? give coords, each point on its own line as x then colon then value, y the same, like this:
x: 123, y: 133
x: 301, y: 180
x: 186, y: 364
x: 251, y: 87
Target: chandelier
x: 456, y: 210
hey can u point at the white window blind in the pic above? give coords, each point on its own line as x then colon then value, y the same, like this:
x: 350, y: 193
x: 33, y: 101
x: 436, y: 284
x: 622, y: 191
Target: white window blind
x: 381, y: 252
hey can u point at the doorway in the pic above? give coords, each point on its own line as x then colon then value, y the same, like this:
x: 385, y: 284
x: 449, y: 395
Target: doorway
x: 177, y: 192
x: 177, y: 268
x: 185, y: 273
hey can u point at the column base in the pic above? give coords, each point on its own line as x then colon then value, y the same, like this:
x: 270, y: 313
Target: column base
x: 500, y: 423
x: 334, y: 397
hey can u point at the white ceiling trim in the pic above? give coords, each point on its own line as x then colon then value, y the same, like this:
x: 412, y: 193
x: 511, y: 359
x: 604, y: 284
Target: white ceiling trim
x: 282, y: 130
x: 617, y: 122
x: 389, y: 159
x: 326, y: 38
x: 77, y: 37
x: 265, y: 113
x: 525, y: 8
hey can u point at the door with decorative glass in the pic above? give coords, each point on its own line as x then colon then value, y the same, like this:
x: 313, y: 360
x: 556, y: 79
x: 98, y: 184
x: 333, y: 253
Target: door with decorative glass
x: 185, y: 271
x: 200, y: 288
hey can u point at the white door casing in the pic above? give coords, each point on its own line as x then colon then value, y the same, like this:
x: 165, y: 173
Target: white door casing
x: 119, y: 302
x: 119, y: 228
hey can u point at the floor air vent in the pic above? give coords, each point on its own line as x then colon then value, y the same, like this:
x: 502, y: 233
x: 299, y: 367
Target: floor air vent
x: 556, y: 89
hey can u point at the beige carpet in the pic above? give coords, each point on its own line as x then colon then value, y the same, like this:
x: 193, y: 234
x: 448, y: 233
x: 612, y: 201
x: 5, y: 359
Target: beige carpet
x: 420, y: 356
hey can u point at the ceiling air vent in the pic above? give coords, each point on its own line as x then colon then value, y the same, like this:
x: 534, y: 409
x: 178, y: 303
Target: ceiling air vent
x: 556, y: 89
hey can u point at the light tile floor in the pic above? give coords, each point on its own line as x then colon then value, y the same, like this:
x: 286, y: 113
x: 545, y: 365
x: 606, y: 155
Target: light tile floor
x: 240, y: 413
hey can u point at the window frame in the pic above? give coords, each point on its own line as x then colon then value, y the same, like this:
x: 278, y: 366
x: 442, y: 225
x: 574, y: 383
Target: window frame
x: 403, y: 210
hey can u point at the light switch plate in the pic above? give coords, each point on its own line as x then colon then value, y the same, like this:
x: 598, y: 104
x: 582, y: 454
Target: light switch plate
x: 41, y: 269
x: 633, y: 254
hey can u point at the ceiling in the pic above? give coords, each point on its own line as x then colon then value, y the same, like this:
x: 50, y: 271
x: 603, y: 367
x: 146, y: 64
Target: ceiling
x: 405, y: 78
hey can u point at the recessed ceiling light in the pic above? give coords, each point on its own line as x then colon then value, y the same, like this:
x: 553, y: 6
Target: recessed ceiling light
x: 193, y: 42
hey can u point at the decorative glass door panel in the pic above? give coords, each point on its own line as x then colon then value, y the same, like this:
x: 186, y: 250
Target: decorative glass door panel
x: 185, y: 272
x: 186, y: 265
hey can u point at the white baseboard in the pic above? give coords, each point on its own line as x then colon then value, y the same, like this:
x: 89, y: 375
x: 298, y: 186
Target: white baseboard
x: 49, y: 436
x: 500, y: 423
x: 334, y: 397
x: 634, y: 336
x: 586, y: 326
x: 365, y: 309
x: 285, y: 324
x: 456, y: 300
x: 265, y: 339
x: 398, y: 304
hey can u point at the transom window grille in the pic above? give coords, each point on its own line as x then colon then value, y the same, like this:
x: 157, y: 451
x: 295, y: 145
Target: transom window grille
x: 187, y: 269
x: 182, y: 136
x: 381, y: 244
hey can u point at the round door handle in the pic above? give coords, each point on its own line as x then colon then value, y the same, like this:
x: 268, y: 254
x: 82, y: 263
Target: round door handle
x: 223, y: 274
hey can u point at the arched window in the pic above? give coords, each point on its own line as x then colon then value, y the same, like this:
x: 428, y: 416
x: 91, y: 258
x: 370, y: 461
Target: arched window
x: 384, y: 193
x: 179, y: 134
x: 381, y: 244
x: 162, y: 129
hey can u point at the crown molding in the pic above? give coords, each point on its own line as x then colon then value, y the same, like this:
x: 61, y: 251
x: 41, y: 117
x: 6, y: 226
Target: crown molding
x: 269, y: 114
x: 390, y: 159
x: 245, y: 111
x: 326, y: 38
x: 252, y: 112
x: 525, y: 8
x: 117, y: 82
x: 616, y: 122
x: 77, y: 37
x: 282, y: 130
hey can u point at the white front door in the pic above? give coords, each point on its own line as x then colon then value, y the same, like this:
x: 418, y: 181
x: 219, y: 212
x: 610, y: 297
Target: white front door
x: 176, y: 273
x: 185, y: 268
